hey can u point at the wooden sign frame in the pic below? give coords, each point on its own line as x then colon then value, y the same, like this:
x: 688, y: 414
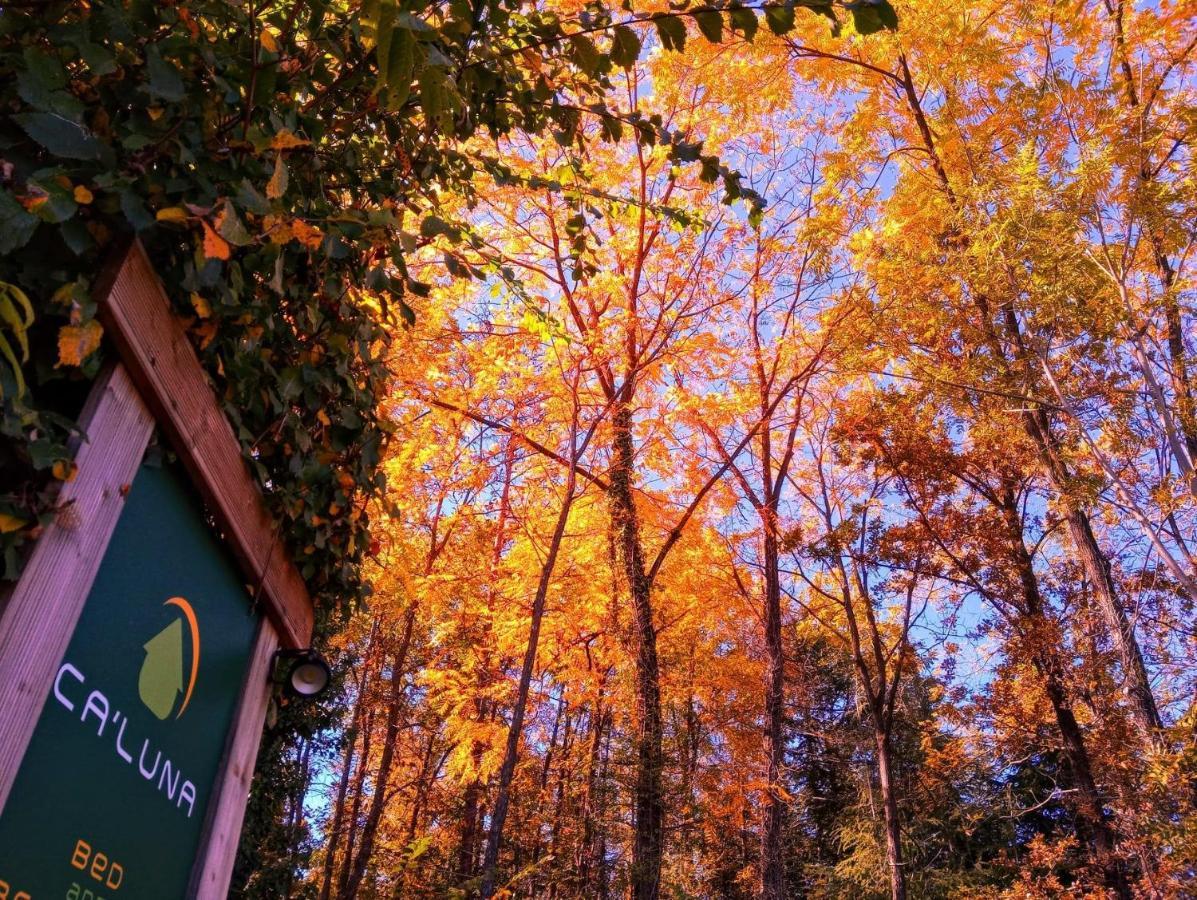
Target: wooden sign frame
x: 157, y: 381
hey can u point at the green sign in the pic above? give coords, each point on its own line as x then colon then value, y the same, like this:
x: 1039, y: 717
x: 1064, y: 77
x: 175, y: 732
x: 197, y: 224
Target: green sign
x: 111, y: 796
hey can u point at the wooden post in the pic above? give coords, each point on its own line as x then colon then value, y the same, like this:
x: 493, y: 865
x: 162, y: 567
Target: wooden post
x: 153, y: 345
x: 40, y: 616
x: 226, y: 810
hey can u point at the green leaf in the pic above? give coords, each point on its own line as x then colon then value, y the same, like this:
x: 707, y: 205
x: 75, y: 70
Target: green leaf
x: 744, y: 21
x: 383, y: 33
x: 231, y: 228
x: 431, y: 226
x: 585, y: 54
x: 780, y: 19
x: 625, y: 47
x: 42, y: 85
x: 165, y: 81
x: 400, y: 68
x: 60, y: 135
x: 710, y: 23
x: 433, y: 97
x: 871, y: 16
x: 672, y: 32
x: 16, y: 225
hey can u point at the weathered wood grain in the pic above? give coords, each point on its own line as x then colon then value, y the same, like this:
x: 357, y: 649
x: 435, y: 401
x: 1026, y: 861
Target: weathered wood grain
x: 137, y: 315
x: 226, y: 807
x: 43, y: 609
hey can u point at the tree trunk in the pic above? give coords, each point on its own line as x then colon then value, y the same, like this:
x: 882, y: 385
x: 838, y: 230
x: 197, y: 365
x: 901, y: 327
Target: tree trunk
x: 587, y: 849
x: 382, y: 778
x: 494, y: 839
x: 1097, y: 570
x: 1038, y: 428
x: 334, y: 835
x: 1093, y: 828
x: 355, y: 722
x: 355, y: 812
x: 648, y: 837
x: 889, y: 806
x: 773, y: 886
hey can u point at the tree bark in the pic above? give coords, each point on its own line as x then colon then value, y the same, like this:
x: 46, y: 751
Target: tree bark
x: 1092, y: 826
x: 511, y: 754
x: 355, y: 722
x: 648, y: 837
x: 382, y: 778
x: 1097, y: 570
x: 889, y: 806
x: 355, y: 812
x: 773, y: 885
x: 1038, y: 429
x: 587, y: 849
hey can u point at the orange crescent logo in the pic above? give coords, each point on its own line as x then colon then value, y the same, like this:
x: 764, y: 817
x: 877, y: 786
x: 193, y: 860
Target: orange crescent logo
x: 193, y: 624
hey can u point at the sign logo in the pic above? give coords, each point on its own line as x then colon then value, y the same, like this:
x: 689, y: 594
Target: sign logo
x: 162, y: 674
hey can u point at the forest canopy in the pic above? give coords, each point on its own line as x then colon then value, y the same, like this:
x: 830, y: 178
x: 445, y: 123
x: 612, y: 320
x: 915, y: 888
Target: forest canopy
x: 737, y: 450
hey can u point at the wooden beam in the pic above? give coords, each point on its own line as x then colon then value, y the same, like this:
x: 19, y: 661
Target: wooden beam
x: 226, y: 807
x: 41, y: 614
x: 136, y: 313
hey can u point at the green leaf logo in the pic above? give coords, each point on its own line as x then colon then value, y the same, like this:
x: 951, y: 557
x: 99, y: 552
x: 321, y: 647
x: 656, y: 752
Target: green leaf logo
x: 162, y: 678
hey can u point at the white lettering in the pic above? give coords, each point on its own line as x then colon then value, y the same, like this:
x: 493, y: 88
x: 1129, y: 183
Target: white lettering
x: 148, y: 776
x: 96, y: 703
x: 76, y: 674
x: 187, y: 792
x: 164, y: 778
x: 121, y: 751
x: 164, y: 774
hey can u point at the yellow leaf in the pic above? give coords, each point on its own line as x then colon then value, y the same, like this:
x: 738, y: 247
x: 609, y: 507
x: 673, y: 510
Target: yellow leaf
x: 172, y: 214
x: 202, y: 308
x: 308, y: 235
x: 77, y: 342
x: 65, y: 470
x: 215, y: 247
x: 82, y: 194
x: 323, y: 417
x: 206, y: 333
x: 286, y: 140
x: 10, y: 523
x: 278, y: 181
x: 268, y: 40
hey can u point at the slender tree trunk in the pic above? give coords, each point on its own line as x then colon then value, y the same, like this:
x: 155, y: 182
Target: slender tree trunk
x: 471, y: 819
x: 648, y: 838
x: 889, y: 806
x: 1174, y: 330
x: 1038, y: 428
x: 355, y: 812
x: 334, y: 835
x: 511, y: 754
x: 382, y: 778
x: 602, y: 873
x: 296, y: 817
x: 773, y: 886
x: 560, y: 805
x: 1097, y: 571
x: 1093, y: 828
x: 355, y: 722
x: 585, y: 863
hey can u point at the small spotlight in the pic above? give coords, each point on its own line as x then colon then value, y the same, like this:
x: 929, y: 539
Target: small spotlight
x: 307, y: 675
